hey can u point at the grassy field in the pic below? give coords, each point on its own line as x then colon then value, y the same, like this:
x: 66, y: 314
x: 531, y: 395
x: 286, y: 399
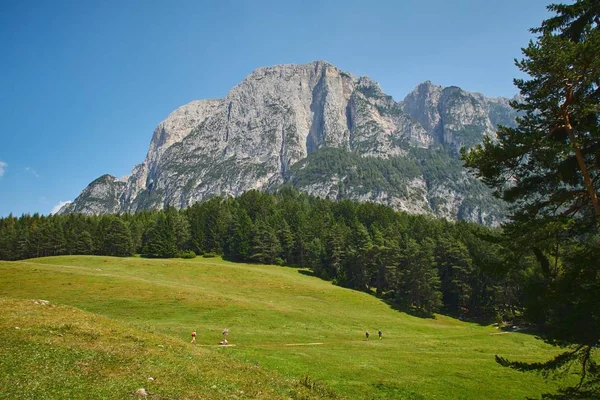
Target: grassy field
x: 113, y: 323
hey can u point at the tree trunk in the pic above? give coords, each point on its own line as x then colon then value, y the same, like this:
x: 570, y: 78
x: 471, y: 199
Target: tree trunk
x: 380, y: 274
x: 578, y: 155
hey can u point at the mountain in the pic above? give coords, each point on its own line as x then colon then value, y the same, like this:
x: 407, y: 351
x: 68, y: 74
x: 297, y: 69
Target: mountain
x: 323, y: 131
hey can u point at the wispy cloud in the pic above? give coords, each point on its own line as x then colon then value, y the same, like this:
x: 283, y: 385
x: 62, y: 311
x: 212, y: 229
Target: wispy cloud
x: 3, y: 166
x: 57, y: 207
x: 32, y: 172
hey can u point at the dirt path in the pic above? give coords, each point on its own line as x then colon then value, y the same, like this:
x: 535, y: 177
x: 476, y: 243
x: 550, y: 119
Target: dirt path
x: 272, y: 345
x: 302, y: 344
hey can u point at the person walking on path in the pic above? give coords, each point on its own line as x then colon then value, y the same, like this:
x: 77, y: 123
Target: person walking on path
x: 379, y: 333
x: 193, y: 337
x: 367, y: 334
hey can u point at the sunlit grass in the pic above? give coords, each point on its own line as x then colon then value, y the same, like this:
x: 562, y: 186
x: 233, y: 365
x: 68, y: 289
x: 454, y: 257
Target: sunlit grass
x: 267, y: 308
x: 60, y: 352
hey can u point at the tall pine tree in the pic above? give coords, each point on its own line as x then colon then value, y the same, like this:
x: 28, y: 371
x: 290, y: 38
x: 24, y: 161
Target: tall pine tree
x: 117, y: 240
x: 548, y: 168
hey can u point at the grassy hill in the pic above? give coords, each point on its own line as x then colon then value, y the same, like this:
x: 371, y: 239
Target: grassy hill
x: 113, y: 322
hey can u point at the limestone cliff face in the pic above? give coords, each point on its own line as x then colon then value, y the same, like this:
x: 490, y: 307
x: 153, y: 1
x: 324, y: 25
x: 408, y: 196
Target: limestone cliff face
x: 455, y: 117
x: 172, y: 130
x: 102, y: 196
x: 279, y: 116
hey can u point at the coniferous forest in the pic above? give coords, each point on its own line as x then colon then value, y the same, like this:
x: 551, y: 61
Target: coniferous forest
x: 418, y: 263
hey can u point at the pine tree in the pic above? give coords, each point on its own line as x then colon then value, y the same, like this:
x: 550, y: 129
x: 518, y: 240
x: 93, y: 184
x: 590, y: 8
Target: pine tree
x: 8, y: 238
x: 315, y: 254
x: 238, y: 245
x: 335, y: 250
x: 455, y: 269
x: 179, y: 228
x: 100, y: 224
x: 420, y: 283
x: 137, y: 232
x: 23, y: 247
x: 548, y: 168
x: 37, y: 239
x: 83, y: 243
x: 384, y: 252
x: 160, y: 240
x: 117, y: 240
x: 286, y: 238
x: 265, y: 244
x: 549, y: 165
x: 56, y: 237
x: 359, y: 262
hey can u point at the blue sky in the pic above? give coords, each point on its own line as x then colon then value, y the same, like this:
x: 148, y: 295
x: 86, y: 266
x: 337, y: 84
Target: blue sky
x: 83, y: 83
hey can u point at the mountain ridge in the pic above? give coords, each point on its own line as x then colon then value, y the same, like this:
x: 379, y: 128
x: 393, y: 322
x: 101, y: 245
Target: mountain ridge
x: 278, y: 116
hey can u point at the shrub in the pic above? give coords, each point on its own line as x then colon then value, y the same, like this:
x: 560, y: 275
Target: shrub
x: 187, y: 254
x: 209, y: 255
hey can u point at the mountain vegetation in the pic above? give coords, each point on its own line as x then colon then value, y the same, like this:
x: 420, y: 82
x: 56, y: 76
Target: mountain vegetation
x: 548, y: 169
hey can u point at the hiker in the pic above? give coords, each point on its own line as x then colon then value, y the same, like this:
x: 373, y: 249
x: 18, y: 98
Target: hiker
x: 193, y: 337
x: 379, y: 333
x: 367, y: 334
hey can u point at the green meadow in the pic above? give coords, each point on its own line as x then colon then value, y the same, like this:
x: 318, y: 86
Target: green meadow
x: 112, y: 323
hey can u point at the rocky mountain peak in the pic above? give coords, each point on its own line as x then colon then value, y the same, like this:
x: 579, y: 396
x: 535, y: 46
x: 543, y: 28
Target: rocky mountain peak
x: 257, y: 135
x: 455, y: 117
x: 180, y: 123
x: 422, y: 104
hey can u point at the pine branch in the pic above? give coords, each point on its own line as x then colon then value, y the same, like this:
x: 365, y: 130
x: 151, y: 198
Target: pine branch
x: 545, y: 368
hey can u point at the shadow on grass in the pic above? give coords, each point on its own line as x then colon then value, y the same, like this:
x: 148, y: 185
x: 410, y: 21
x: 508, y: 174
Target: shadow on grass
x: 410, y: 310
x: 393, y: 305
x: 521, y: 328
x: 307, y: 272
x: 484, y: 320
x: 415, y: 312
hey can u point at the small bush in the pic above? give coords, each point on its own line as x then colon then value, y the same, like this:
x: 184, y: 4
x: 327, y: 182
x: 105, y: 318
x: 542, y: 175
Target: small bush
x: 209, y: 255
x: 187, y: 254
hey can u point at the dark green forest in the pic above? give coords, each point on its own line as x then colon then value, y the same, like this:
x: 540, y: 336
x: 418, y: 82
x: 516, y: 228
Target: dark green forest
x: 418, y: 263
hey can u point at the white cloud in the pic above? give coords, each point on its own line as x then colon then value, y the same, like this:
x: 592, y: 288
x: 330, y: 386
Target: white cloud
x: 2, y: 167
x: 32, y: 171
x: 57, y: 207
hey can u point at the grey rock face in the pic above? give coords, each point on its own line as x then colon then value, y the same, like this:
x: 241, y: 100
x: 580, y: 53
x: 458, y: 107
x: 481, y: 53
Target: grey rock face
x: 172, y: 130
x: 279, y: 116
x: 422, y: 105
x: 457, y: 118
x: 102, y: 196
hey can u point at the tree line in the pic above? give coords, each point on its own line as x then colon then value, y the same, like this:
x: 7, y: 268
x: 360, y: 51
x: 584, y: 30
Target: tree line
x: 416, y: 262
